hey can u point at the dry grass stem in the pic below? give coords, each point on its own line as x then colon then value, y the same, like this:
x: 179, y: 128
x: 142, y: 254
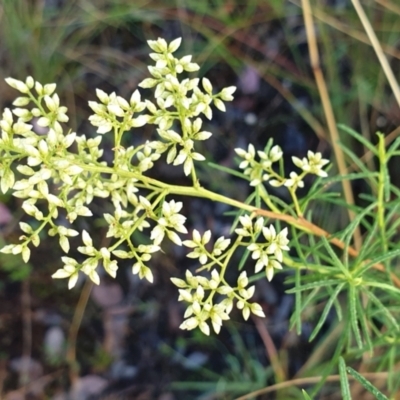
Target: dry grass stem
x: 270, y: 348
x: 309, y: 381
x: 378, y: 50
x: 70, y: 355
x: 329, y: 115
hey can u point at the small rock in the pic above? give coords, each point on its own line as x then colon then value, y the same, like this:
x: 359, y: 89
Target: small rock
x: 86, y: 386
x: 195, y: 360
x: 54, y: 342
x: 5, y: 215
x: 27, y: 365
x: 107, y: 295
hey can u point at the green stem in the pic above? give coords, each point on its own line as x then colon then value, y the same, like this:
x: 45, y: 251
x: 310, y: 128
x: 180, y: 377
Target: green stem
x: 292, y: 192
x: 127, y: 236
x: 381, y: 191
x: 264, y: 195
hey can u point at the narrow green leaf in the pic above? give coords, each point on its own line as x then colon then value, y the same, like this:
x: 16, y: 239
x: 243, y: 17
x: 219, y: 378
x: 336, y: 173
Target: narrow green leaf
x: 334, y: 359
x: 362, y: 166
x: 394, y: 146
x: 383, y: 309
x: 344, y: 383
x: 363, y: 323
x: 313, y: 247
x: 229, y: 171
x: 312, y: 285
x: 297, y: 308
x: 327, y: 308
x: 338, y: 309
x: 257, y: 198
x: 367, y: 384
x: 350, y: 177
x: 348, y: 233
x: 368, y: 243
x: 377, y: 260
x: 360, y: 138
x: 243, y: 259
x: 311, y: 296
x: 305, y: 395
x: 334, y: 258
x: 353, y: 298
x: 386, y: 287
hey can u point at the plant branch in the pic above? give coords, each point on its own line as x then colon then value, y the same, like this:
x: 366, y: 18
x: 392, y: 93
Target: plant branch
x: 298, y: 222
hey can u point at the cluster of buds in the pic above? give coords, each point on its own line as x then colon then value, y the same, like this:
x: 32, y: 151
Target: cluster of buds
x: 262, y: 170
x: 212, y: 300
x: 200, y: 292
x: 269, y: 254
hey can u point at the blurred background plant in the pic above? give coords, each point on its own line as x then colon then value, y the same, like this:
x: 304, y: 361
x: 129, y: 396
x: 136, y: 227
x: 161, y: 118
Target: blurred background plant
x: 262, y: 47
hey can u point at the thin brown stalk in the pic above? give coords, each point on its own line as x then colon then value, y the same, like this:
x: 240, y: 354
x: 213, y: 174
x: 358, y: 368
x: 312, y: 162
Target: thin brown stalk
x: 389, y: 5
x: 3, y: 375
x: 378, y: 50
x: 290, y: 98
x: 322, y: 351
x: 74, y: 329
x: 270, y: 349
x: 364, y: 126
x: 349, y: 30
x: 26, y: 331
x: 328, y: 111
x: 308, y: 381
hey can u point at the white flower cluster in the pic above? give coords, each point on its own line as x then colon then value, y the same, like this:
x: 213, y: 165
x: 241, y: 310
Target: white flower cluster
x: 212, y: 299
x: 262, y: 170
x: 176, y: 103
x: 269, y: 253
x: 179, y: 101
x: 114, y: 112
x: 47, y: 171
x: 58, y: 185
x: 200, y: 292
x: 198, y: 246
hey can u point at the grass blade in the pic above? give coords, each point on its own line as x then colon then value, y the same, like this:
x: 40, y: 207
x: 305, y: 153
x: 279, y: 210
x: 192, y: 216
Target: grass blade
x: 367, y: 384
x: 327, y: 308
x: 344, y: 382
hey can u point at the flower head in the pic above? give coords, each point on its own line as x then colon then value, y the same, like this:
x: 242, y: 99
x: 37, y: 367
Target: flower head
x: 313, y: 164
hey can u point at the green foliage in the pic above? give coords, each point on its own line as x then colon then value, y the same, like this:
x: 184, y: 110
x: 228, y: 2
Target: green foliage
x: 367, y: 385
x: 305, y: 395
x: 364, y: 382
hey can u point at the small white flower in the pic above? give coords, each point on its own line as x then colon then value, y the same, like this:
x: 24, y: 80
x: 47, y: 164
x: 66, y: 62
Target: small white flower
x: 248, y: 156
x: 70, y: 270
x: 18, y: 85
x: 275, y: 153
x: 294, y: 181
x: 226, y: 93
x: 313, y: 164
